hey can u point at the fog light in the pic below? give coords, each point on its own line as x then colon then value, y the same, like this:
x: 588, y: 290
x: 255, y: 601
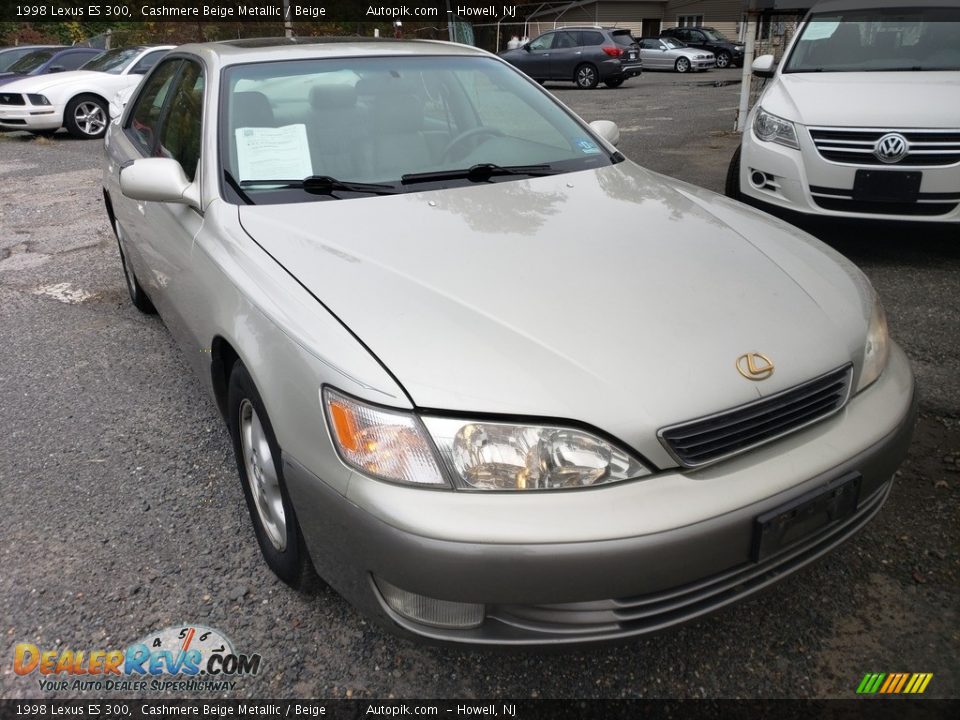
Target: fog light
x: 430, y: 611
x: 758, y: 178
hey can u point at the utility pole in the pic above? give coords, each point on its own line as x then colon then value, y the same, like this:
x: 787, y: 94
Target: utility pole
x: 287, y: 25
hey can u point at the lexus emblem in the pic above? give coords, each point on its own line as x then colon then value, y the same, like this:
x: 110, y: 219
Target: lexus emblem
x: 891, y: 148
x: 754, y: 366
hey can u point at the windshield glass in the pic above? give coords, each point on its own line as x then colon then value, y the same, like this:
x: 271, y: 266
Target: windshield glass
x: 673, y: 43
x: 714, y: 36
x: 31, y: 62
x: 890, y: 39
x: 377, y: 120
x: 112, y: 61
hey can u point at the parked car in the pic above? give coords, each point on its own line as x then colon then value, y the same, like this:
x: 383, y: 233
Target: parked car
x: 454, y: 385
x: 862, y: 117
x: 9, y: 55
x: 77, y: 100
x: 726, y: 51
x: 53, y: 60
x: 671, y: 54
x: 585, y: 56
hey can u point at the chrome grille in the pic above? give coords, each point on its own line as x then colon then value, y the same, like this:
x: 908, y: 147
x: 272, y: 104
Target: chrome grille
x: 11, y: 99
x: 732, y: 431
x: 855, y: 146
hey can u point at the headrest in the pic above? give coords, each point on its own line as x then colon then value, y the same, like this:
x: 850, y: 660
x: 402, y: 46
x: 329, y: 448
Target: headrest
x: 332, y: 97
x: 252, y: 109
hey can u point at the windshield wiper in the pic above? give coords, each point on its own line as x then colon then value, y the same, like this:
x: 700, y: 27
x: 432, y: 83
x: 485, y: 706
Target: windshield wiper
x: 322, y: 185
x: 481, y: 172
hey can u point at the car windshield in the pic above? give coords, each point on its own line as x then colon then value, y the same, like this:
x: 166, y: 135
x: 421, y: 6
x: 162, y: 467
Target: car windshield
x: 673, y: 43
x: 29, y: 63
x: 882, y: 40
x: 112, y: 61
x: 714, y: 36
x: 397, y: 124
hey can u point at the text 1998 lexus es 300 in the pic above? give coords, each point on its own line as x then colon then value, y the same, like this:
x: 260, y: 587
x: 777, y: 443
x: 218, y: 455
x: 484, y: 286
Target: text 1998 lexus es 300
x: 456, y: 388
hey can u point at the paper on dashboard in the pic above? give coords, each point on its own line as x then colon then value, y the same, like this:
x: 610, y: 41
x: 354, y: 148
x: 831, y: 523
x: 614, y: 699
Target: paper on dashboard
x: 265, y: 153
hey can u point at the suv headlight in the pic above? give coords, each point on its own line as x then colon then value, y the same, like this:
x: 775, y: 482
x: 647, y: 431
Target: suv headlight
x: 475, y: 455
x: 770, y: 128
x: 876, y: 350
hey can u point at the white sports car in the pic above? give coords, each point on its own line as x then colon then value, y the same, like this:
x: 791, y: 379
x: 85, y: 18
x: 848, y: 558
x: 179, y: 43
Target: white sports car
x: 76, y: 100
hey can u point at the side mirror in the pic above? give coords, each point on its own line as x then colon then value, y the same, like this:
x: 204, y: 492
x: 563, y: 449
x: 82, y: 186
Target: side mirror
x: 764, y: 66
x: 158, y: 180
x: 526, y: 46
x: 55, y: 68
x: 606, y: 129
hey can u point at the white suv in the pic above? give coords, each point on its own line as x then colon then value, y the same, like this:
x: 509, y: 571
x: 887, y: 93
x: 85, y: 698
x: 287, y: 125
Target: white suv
x: 862, y: 117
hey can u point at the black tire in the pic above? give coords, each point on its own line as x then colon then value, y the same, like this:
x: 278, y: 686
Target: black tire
x: 97, y: 115
x: 723, y: 59
x: 291, y: 563
x: 137, y: 294
x: 586, y: 76
x: 732, y: 186
x: 614, y: 82
x: 682, y: 65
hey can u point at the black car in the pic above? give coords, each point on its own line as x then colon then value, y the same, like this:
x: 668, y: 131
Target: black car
x: 582, y: 55
x: 728, y: 52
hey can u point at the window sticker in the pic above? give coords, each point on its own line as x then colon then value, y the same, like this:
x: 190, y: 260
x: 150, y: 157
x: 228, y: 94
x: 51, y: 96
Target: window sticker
x: 587, y: 147
x: 281, y: 153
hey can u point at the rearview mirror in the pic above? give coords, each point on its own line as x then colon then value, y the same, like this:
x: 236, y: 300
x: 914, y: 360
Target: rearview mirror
x: 606, y: 129
x: 764, y: 66
x: 158, y: 180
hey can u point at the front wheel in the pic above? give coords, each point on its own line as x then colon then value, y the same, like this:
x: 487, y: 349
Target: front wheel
x: 261, y: 474
x: 723, y: 59
x: 613, y: 82
x: 682, y: 65
x: 86, y: 117
x: 137, y: 295
x: 586, y: 77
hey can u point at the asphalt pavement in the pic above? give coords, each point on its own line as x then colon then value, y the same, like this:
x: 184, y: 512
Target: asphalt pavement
x: 123, y: 513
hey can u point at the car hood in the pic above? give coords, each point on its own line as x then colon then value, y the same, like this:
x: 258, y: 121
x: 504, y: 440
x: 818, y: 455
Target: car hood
x: 614, y: 297
x: 43, y: 83
x: 869, y: 99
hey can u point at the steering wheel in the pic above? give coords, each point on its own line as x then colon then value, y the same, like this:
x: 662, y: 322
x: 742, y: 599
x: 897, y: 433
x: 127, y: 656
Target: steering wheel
x: 465, y: 136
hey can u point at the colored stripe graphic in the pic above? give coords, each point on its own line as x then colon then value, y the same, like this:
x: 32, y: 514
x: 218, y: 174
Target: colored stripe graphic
x: 894, y: 683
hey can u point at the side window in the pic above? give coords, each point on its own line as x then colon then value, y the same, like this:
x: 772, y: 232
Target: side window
x: 565, y: 40
x: 650, y: 44
x: 180, y: 132
x: 591, y: 38
x: 544, y: 42
x: 144, y: 118
x: 696, y: 36
x: 147, y: 61
x: 72, y: 60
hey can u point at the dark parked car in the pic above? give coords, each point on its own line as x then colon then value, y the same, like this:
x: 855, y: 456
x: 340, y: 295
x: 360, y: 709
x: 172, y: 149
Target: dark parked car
x: 727, y: 51
x: 582, y: 55
x: 49, y: 60
x: 9, y: 55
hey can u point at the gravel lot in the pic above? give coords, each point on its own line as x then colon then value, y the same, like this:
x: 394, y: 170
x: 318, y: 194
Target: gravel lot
x: 123, y: 513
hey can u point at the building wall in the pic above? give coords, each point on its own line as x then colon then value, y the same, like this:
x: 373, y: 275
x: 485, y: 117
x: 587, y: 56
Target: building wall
x: 724, y: 15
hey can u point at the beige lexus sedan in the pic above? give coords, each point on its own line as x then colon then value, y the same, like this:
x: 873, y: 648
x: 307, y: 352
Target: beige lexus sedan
x: 492, y: 381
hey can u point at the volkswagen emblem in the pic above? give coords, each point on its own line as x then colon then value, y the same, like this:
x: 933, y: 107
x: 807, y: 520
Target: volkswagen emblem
x: 891, y: 148
x: 754, y: 366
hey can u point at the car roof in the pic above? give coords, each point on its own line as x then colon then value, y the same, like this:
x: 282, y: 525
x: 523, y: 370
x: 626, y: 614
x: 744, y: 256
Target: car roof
x: 233, y: 52
x: 29, y: 47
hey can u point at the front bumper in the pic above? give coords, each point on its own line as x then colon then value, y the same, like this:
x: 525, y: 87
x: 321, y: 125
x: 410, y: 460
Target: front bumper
x: 31, y: 117
x: 803, y: 181
x: 592, y: 565
x: 699, y: 64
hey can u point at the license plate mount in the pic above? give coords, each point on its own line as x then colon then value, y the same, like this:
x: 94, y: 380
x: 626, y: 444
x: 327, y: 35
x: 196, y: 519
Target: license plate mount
x: 886, y: 186
x: 782, y: 526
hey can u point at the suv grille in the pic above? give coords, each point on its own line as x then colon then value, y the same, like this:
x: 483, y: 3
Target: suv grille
x: 855, y: 146
x: 11, y: 99
x: 718, y: 436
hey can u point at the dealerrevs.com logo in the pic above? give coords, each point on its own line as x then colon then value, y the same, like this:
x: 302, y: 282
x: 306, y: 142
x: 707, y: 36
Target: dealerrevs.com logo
x: 183, y: 658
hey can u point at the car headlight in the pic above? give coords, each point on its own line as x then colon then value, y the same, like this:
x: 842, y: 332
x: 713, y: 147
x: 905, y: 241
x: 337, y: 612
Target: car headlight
x: 37, y: 99
x: 876, y: 350
x: 770, y: 128
x: 476, y: 455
